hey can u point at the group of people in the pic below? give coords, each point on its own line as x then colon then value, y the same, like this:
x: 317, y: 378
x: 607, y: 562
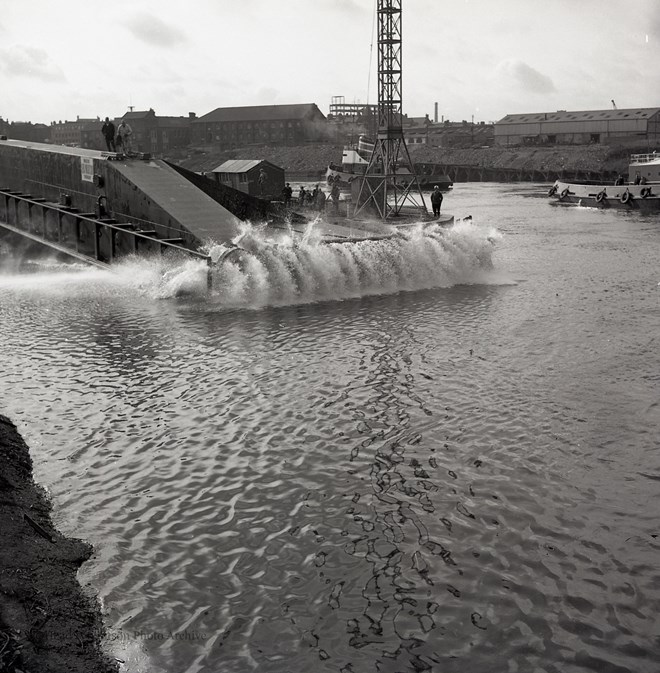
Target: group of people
x: 119, y: 139
x: 639, y: 180
x: 313, y: 198
x: 316, y: 198
x: 310, y: 198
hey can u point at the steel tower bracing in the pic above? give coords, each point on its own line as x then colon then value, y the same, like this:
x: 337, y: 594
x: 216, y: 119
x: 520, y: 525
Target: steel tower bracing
x: 389, y: 181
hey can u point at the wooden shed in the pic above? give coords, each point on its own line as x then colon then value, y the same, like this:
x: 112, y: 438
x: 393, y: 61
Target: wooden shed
x: 256, y: 177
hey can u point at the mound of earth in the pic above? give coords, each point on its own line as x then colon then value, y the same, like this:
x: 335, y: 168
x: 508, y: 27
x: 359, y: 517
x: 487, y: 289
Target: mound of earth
x: 312, y: 159
x: 48, y: 624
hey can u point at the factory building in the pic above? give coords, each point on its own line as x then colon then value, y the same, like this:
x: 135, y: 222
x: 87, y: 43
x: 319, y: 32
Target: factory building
x: 583, y: 127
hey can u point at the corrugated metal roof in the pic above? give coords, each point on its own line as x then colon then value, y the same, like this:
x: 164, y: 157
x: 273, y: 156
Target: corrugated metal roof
x: 260, y: 113
x: 581, y: 115
x: 237, y: 165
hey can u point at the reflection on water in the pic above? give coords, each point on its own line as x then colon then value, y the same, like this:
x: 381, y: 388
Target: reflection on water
x: 453, y: 478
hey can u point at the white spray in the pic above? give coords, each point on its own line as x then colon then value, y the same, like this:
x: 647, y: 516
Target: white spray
x: 298, y: 270
x: 255, y: 270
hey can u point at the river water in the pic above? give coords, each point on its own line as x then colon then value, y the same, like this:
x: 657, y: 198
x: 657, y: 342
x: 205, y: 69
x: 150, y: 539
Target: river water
x: 439, y: 454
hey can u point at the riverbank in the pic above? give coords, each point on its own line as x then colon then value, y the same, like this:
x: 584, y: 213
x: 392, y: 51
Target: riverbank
x: 48, y: 624
x: 312, y: 160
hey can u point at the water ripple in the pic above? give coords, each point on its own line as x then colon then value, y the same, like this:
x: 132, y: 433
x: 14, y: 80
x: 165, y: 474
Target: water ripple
x: 454, y: 478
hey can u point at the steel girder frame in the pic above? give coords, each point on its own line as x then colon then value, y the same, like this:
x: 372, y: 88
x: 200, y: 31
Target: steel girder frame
x: 379, y: 187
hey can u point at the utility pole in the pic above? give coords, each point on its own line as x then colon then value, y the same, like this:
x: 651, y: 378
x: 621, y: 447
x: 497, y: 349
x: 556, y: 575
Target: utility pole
x: 381, y: 187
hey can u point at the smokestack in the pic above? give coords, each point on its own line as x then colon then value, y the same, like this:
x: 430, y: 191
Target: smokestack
x: 435, y: 116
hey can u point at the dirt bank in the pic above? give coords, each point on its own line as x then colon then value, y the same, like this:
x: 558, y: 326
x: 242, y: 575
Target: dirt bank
x: 313, y: 159
x: 47, y: 623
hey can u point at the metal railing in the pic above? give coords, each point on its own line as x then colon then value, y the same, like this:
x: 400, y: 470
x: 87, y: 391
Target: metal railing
x: 98, y: 241
x: 644, y: 158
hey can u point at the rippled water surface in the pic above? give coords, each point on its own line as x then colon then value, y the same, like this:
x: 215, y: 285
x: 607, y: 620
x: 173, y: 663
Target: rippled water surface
x: 407, y: 460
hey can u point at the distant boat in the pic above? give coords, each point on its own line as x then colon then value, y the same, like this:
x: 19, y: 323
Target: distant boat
x: 355, y: 159
x: 641, y: 191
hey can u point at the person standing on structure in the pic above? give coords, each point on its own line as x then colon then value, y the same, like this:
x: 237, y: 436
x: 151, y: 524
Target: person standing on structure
x: 287, y: 192
x: 108, y: 131
x: 124, y: 133
x: 262, y: 180
x: 334, y: 195
x: 436, y: 201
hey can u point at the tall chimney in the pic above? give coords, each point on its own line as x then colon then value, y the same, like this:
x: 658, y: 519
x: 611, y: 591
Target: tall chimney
x: 435, y: 116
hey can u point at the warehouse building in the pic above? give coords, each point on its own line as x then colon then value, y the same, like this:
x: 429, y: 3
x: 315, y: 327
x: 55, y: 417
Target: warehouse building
x: 634, y: 125
x: 272, y: 124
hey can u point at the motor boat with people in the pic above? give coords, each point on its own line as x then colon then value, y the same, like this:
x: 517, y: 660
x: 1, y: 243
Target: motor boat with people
x: 640, y: 191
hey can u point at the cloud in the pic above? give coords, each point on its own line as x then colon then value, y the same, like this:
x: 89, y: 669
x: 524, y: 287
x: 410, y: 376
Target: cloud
x: 345, y: 6
x: 23, y: 61
x: 654, y: 24
x: 267, y: 96
x: 152, y: 30
x: 525, y: 76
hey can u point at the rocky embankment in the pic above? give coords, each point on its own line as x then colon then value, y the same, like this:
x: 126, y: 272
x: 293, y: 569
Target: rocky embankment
x: 47, y: 623
x: 312, y: 160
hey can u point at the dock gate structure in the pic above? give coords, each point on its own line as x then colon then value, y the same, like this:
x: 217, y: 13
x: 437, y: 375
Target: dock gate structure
x: 99, y: 207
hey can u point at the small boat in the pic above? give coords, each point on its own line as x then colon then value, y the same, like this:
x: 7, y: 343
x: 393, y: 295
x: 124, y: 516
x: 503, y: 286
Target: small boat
x: 354, y: 162
x: 355, y: 159
x: 640, y: 192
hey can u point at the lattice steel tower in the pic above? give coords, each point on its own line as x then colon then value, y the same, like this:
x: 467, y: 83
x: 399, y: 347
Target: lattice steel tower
x: 389, y: 181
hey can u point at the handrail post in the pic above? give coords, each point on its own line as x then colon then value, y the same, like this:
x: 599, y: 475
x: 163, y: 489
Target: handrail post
x: 209, y: 274
x: 97, y: 235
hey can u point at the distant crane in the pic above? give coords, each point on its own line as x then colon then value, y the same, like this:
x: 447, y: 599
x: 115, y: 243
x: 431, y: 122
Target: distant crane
x: 389, y: 181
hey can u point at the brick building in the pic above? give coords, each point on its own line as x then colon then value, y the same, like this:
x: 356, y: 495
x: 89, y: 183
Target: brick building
x: 272, y: 124
x: 151, y: 133
x: 71, y: 133
x: 36, y: 133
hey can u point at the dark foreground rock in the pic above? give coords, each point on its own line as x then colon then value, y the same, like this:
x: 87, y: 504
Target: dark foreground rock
x: 47, y: 623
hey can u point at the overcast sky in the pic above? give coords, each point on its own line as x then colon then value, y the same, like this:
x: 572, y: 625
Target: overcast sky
x: 482, y: 58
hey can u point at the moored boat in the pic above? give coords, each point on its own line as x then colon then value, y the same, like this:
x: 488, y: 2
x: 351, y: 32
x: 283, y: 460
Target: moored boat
x: 354, y: 162
x: 355, y: 159
x: 640, y: 192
